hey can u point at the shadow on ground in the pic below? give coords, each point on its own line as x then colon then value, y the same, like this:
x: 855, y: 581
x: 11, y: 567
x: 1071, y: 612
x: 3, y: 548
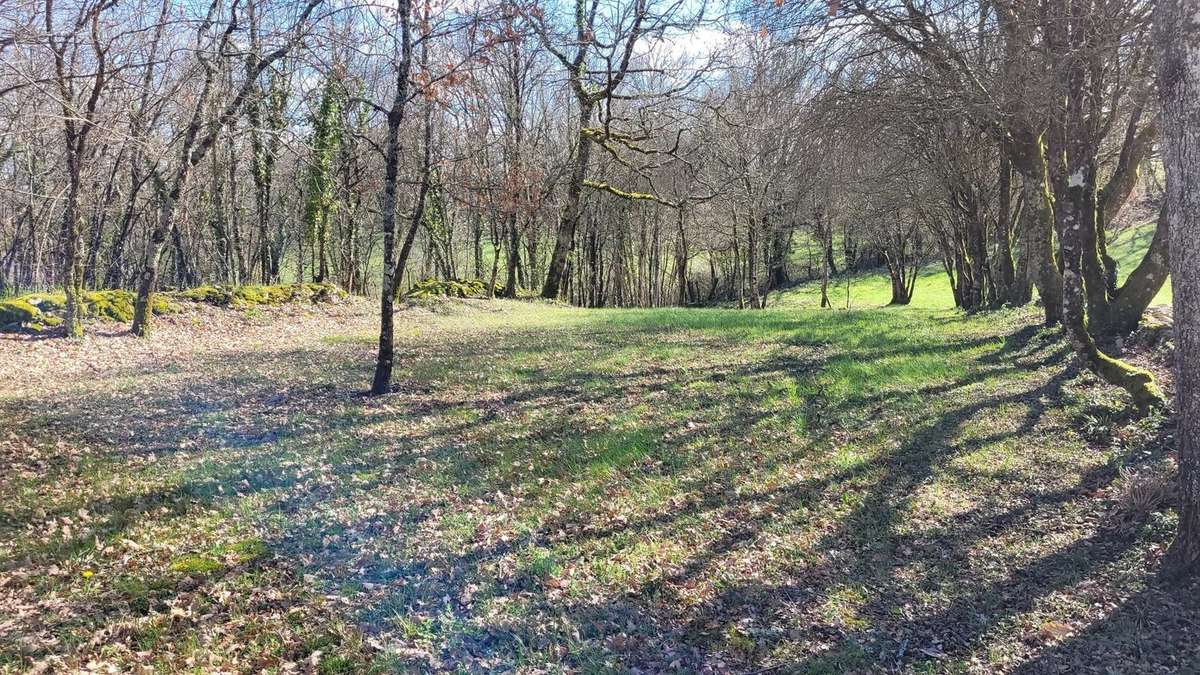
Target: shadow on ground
x: 691, y: 491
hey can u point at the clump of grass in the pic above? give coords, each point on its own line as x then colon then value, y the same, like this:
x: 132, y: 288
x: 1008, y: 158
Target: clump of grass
x: 247, y: 550
x: 536, y: 566
x: 1137, y: 494
x: 842, y: 607
x: 141, y: 593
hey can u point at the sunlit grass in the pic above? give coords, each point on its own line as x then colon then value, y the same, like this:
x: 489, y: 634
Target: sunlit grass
x: 873, y: 288
x: 559, y: 489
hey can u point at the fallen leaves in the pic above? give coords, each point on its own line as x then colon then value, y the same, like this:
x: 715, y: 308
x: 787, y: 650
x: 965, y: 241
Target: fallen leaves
x: 546, y: 490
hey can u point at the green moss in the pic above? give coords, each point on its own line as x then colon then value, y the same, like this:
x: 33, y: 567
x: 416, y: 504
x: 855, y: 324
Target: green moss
x: 111, y: 305
x: 195, y: 565
x: 209, y: 295
x: 244, y: 297
x: 39, y: 311
x: 19, y: 311
x: 451, y: 288
x: 257, y: 295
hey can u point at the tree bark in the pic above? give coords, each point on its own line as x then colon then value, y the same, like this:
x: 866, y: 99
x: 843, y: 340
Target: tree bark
x: 381, y: 383
x: 1122, y: 314
x: 1177, y: 34
x: 1139, y: 383
x: 565, y: 237
x: 1071, y: 167
x: 1005, y: 270
x: 1043, y: 266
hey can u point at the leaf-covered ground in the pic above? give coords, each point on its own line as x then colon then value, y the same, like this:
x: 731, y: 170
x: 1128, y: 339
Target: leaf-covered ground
x: 553, y: 489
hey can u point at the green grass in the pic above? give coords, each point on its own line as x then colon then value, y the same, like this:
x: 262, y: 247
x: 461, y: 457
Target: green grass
x: 195, y: 565
x: 868, y: 290
x: 553, y: 489
x: 1128, y: 247
x: 873, y: 289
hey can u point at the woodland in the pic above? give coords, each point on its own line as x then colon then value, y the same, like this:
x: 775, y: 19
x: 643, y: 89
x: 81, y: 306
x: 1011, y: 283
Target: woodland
x: 600, y: 336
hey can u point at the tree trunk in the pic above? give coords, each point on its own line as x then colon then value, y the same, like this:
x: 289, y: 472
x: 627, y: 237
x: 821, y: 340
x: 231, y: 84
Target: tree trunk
x: 477, y: 244
x: 565, y: 236
x: 826, y: 264
x: 752, y: 261
x: 73, y: 259
x: 1121, y: 315
x: 1042, y: 262
x: 1005, y: 272
x: 1178, y: 41
x: 149, y: 275
x: 1022, y: 288
x: 832, y: 266
x: 514, y: 256
x: 1071, y: 167
x: 681, y: 261
x: 381, y: 383
x: 1137, y: 382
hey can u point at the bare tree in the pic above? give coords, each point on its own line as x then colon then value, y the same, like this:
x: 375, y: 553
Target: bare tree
x: 79, y: 98
x: 200, y: 134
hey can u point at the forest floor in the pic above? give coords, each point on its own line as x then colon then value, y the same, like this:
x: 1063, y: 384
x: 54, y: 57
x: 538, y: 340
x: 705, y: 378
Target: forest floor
x: 553, y: 489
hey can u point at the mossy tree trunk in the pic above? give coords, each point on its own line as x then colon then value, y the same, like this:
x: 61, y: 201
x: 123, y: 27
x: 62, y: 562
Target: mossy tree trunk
x: 1040, y: 238
x: 1112, y: 309
x: 1177, y: 34
x: 1122, y: 312
x: 1071, y: 167
x: 73, y: 264
x: 1139, y: 383
x: 321, y: 200
x: 148, y: 277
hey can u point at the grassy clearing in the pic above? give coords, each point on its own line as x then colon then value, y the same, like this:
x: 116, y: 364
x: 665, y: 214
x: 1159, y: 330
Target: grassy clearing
x: 553, y: 489
x: 873, y: 289
x: 868, y: 290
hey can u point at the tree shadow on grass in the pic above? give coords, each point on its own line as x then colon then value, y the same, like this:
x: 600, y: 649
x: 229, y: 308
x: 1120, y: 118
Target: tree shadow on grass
x: 437, y: 507
x: 1152, y: 630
